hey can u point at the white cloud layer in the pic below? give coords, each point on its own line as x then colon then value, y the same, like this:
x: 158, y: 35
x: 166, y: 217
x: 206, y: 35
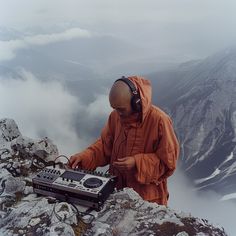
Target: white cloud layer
x: 207, y: 205
x: 47, y: 109
x: 8, y: 48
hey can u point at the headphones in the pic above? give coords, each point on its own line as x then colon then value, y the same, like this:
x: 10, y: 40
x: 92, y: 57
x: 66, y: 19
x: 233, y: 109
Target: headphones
x: 135, y: 100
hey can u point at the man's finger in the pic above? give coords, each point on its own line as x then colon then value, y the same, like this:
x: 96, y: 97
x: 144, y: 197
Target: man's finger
x: 76, y: 162
x: 119, y: 164
x: 122, y: 159
x: 71, y: 161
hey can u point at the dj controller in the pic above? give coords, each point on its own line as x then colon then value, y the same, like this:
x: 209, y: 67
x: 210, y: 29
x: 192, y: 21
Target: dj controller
x: 88, y: 188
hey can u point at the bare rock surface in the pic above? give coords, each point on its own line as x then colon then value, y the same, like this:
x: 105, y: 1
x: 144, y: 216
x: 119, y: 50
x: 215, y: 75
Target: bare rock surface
x: 22, y: 212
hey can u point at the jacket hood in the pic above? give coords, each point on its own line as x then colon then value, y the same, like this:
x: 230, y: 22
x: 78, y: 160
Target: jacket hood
x: 145, y: 90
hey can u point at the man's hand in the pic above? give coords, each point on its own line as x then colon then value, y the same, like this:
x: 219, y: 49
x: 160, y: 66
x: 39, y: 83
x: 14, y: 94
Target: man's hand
x: 75, y: 160
x: 126, y: 163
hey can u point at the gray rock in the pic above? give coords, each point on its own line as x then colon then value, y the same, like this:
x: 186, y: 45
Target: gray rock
x: 8, y: 130
x: 61, y: 229
x: 19, y: 154
x: 24, y: 213
x: 126, y: 213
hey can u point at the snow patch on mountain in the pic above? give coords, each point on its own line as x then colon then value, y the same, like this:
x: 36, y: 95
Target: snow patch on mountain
x: 216, y: 172
x: 229, y: 197
x: 203, y: 108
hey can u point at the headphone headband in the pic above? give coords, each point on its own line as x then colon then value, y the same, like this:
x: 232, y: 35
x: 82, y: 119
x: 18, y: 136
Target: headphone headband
x: 135, y: 100
x: 129, y: 83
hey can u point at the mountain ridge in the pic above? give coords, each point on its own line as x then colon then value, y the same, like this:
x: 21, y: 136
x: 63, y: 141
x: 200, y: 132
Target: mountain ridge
x: 202, y: 104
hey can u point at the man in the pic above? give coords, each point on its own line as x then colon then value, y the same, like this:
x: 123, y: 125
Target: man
x: 138, y: 142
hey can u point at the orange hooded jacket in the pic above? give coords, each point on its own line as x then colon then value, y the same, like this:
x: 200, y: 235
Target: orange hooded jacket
x: 150, y: 140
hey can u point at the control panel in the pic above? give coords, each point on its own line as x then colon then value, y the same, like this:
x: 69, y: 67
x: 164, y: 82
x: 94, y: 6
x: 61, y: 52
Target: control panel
x: 87, y: 188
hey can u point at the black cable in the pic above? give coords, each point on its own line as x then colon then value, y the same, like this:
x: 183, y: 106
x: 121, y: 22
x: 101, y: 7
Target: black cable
x: 49, y: 163
x: 38, y: 159
x: 116, y: 139
x: 60, y: 163
x: 80, y: 214
x: 121, y: 175
x: 58, y: 216
x: 62, y: 156
x: 134, y: 138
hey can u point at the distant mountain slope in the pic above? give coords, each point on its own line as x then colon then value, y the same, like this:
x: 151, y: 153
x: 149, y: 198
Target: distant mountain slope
x: 202, y: 100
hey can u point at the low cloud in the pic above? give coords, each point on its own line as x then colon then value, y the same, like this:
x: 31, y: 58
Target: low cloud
x: 97, y: 108
x: 47, y: 109
x: 8, y: 48
x: 205, y: 205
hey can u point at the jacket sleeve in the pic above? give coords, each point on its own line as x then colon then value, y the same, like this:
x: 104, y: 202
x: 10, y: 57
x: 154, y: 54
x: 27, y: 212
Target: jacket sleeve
x: 157, y: 166
x: 99, y: 153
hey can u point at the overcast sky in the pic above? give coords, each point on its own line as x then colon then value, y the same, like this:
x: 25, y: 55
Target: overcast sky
x: 169, y: 29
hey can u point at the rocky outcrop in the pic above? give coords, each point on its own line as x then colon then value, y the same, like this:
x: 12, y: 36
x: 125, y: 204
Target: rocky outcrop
x: 22, y: 212
x: 21, y: 155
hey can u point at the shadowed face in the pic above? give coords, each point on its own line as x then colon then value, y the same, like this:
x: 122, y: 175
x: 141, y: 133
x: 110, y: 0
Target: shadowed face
x: 120, y: 99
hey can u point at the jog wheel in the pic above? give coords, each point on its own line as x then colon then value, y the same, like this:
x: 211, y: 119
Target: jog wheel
x: 92, y: 183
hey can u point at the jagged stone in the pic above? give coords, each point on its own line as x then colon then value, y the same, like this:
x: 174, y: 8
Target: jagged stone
x: 13, y: 185
x: 61, y: 229
x: 24, y: 213
x: 27, y: 148
x: 8, y: 130
x: 19, y: 154
x: 126, y: 213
